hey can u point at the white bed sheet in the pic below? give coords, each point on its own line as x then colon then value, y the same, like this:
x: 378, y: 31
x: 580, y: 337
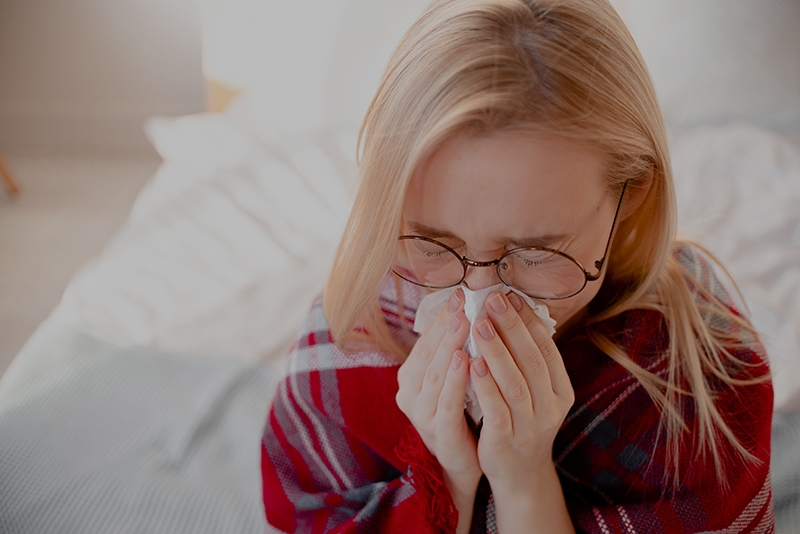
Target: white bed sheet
x: 225, y: 248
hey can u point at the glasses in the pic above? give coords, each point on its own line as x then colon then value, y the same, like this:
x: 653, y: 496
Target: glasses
x: 539, y: 272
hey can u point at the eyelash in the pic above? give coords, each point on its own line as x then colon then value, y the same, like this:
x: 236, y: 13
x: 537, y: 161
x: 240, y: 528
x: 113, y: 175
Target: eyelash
x: 434, y: 254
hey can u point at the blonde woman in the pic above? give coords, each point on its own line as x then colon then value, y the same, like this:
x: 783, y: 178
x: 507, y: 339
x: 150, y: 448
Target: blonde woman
x: 520, y: 142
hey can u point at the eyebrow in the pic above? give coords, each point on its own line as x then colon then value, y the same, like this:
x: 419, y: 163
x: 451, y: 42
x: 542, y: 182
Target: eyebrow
x: 427, y: 231
x: 536, y: 241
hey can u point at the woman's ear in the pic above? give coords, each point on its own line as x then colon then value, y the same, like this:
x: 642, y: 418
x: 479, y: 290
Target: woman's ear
x: 635, y: 195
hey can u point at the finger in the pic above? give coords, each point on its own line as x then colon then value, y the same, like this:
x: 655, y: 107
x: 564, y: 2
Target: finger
x: 450, y: 408
x: 559, y: 379
x: 506, y: 374
x: 434, y: 378
x: 519, y: 341
x: 412, y: 372
x: 496, y: 413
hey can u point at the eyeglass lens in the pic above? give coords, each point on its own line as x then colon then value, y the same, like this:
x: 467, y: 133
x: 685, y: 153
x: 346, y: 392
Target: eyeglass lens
x: 539, y: 273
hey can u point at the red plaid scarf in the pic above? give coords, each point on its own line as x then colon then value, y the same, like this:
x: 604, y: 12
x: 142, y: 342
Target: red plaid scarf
x: 339, y: 456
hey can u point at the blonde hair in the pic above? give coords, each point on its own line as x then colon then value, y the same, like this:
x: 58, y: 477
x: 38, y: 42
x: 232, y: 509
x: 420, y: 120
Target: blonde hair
x: 566, y: 68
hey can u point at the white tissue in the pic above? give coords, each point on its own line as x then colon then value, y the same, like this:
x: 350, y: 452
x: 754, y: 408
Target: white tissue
x: 474, y: 308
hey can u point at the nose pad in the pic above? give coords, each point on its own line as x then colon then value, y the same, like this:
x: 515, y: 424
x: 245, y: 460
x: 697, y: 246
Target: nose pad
x: 481, y: 277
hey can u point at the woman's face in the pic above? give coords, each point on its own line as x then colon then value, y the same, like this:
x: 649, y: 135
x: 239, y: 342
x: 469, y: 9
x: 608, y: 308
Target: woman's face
x: 486, y: 194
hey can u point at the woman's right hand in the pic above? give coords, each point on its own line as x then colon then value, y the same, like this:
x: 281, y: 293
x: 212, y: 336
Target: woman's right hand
x: 433, y: 382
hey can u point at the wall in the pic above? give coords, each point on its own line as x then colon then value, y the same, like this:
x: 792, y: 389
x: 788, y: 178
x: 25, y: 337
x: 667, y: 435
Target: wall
x: 88, y: 72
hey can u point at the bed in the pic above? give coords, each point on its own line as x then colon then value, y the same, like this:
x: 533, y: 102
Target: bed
x: 138, y: 405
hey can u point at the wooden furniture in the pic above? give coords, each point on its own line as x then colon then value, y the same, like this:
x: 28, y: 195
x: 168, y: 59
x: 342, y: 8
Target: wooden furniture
x: 219, y: 94
x: 8, y: 179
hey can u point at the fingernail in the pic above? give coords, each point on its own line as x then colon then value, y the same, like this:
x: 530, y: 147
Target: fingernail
x: 497, y: 303
x: 485, y: 329
x: 455, y: 324
x: 515, y: 300
x: 480, y: 367
x: 454, y: 303
x: 456, y: 361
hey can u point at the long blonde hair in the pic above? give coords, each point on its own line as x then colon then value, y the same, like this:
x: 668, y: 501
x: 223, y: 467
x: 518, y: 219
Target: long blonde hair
x: 568, y: 68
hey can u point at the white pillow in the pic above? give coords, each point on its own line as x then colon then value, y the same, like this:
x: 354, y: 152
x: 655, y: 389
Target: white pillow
x: 225, y: 248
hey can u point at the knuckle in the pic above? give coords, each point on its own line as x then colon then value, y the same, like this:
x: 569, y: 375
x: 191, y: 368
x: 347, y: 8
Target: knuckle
x: 452, y: 341
x: 493, y: 396
x: 445, y: 317
x: 500, y: 423
x: 494, y: 351
x: 448, y: 405
x: 433, y: 376
x: 508, y: 322
x: 533, y: 324
x: 518, y: 390
x: 535, y: 364
x: 512, y: 321
x: 528, y: 317
x: 452, y: 379
x: 550, y: 352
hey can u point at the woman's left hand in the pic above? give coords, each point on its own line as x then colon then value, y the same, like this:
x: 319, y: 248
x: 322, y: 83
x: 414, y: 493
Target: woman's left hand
x: 525, y: 394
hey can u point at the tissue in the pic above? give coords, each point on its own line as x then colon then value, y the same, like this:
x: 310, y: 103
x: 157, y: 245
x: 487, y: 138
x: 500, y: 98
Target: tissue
x: 474, y: 308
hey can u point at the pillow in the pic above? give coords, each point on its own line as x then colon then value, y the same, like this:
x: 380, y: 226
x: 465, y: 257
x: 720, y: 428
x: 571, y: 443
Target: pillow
x: 225, y: 248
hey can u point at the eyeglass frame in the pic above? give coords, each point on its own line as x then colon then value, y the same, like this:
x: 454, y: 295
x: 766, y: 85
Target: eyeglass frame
x: 466, y: 262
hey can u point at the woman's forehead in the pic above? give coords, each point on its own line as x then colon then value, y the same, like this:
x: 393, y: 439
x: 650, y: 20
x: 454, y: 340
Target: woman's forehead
x: 509, y: 181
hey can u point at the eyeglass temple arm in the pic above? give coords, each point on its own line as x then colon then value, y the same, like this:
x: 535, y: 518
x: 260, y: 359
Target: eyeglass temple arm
x: 599, y: 263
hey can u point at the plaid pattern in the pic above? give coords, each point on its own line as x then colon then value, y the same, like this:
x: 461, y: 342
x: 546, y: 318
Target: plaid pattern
x: 339, y: 456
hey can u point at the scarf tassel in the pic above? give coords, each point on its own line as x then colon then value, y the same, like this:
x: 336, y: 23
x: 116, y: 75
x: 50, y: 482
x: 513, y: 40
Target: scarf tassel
x: 427, y: 477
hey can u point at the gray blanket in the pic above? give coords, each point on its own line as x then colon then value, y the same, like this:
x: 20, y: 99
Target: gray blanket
x: 100, y: 438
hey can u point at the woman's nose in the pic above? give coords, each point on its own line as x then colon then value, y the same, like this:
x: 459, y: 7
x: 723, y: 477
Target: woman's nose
x: 481, y: 277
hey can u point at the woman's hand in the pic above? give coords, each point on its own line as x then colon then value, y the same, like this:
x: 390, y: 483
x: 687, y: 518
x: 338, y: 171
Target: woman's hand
x: 525, y: 394
x: 433, y: 383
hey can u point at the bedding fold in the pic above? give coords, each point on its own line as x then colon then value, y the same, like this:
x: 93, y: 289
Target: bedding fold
x: 98, y: 437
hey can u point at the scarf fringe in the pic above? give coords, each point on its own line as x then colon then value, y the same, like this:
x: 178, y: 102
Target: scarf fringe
x: 427, y: 477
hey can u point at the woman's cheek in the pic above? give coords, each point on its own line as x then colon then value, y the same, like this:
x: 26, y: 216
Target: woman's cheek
x: 560, y: 313
x: 564, y: 310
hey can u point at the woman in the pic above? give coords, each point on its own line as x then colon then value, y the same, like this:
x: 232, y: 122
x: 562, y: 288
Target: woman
x: 520, y: 142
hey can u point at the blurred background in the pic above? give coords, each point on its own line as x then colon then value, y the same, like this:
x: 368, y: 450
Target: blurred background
x: 179, y: 174
x: 77, y: 80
